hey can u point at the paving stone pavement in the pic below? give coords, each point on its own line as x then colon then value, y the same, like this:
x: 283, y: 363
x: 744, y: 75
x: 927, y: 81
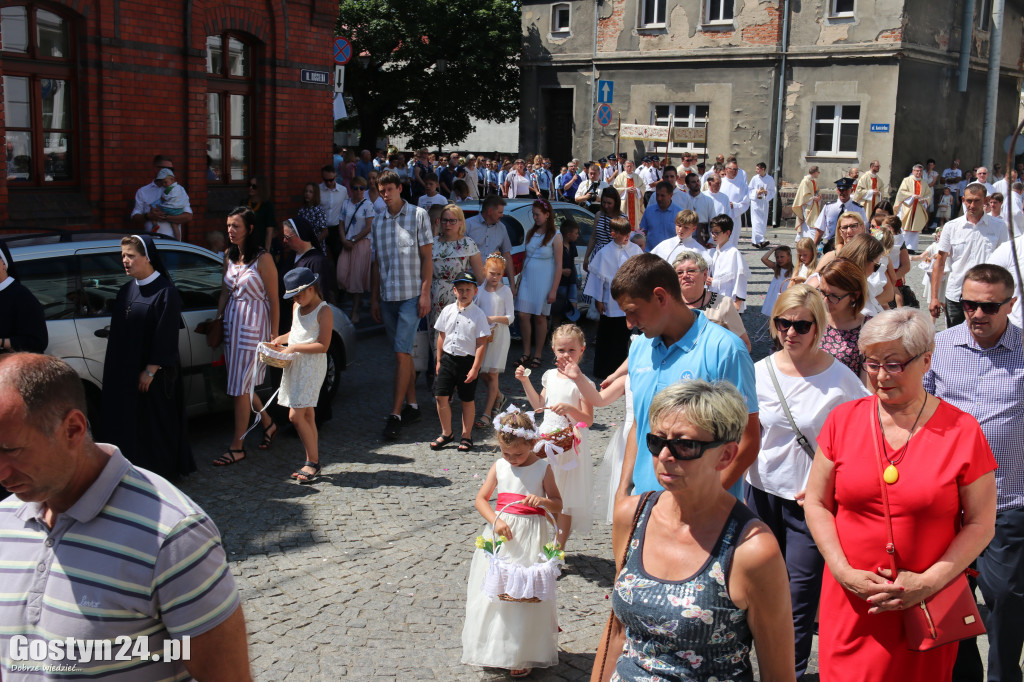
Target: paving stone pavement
x: 363, y: 574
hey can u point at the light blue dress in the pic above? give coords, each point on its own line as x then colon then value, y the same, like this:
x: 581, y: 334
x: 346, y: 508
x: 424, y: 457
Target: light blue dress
x: 538, y: 274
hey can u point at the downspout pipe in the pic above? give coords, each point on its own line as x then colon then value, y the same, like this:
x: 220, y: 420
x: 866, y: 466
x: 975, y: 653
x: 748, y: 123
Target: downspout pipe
x: 988, y: 134
x: 966, y: 34
x: 779, y: 120
x: 593, y: 85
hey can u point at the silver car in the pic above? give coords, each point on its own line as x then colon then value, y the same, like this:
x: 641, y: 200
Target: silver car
x: 77, y: 282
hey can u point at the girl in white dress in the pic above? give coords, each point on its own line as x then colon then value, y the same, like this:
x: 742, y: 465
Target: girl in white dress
x: 729, y: 272
x: 495, y: 299
x: 517, y: 636
x: 806, y: 260
x: 782, y: 267
x: 565, y: 407
x: 308, y: 341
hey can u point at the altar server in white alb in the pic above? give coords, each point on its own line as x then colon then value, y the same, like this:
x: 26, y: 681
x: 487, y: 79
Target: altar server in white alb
x: 761, y: 191
x: 735, y: 187
x: 729, y: 272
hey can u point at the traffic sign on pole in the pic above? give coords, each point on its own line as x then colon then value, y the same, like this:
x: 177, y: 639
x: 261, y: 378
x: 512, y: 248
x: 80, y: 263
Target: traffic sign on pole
x: 339, y: 78
x: 342, y: 51
x: 605, y: 92
x: 604, y: 114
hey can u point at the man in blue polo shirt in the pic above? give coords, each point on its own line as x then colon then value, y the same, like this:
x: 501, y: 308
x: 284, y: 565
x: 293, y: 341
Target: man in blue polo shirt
x: 678, y: 344
x: 659, y: 221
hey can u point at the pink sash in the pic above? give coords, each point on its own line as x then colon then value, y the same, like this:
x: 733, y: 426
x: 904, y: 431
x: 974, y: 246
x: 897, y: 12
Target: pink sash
x: 507, y: 503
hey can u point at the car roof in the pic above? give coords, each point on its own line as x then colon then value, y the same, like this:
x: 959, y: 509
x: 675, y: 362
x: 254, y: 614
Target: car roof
x: 46, y: 248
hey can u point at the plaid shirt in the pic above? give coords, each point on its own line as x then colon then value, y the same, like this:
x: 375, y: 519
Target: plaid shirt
x: 396, y: 249
x: 988, y: 384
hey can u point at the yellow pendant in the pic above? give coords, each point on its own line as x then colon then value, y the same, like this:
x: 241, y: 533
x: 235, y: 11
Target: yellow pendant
x: 890, y: 475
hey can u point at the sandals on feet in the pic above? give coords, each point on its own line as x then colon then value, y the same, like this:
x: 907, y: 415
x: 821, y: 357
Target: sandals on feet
x: 304, y: 477
x: 482, y: 422
x: 520, y: 672
x: 523, y: 360
x: 229, y: 457
x: 465, y: 445
x: 442, y: 440
x: 268, y: 438
x: 534, y: 363
x: 499, y: 405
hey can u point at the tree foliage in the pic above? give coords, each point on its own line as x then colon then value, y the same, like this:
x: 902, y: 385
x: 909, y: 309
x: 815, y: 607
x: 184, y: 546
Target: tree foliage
x: 402, y: 91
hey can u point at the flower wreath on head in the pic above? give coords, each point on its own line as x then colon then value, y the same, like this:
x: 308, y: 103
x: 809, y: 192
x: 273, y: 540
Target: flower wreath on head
x: 542, y: 444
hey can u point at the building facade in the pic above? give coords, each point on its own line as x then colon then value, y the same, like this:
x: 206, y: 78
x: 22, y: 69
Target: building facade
x: 93, y: 89
x: 831, y: 83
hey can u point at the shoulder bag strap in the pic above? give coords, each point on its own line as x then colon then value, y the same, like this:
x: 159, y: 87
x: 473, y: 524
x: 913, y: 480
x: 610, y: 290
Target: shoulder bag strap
x: 800, y: 438
x: 890, y: 547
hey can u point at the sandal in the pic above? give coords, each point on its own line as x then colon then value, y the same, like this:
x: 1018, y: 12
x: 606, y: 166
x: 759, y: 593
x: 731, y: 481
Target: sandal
x: 523, y: 360
x: 442, y: 440
x: 465, y: 445
x: 303, y: 477
x: 499, y: 405
x: 520, y: 672
x: 482, y: 422
x: 268, y: 438
x: 534, y: 363
x: 229, y: 457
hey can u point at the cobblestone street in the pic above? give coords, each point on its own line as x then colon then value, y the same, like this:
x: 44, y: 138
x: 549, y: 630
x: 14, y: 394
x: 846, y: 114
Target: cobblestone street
x: 363, y: 575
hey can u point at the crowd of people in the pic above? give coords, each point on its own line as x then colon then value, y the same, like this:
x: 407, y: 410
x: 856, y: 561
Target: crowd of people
x: 732, y: 485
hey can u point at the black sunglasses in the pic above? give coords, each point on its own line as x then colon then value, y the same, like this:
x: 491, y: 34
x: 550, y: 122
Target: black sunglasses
x: 987, y: 307
x: 801, y: 326
x: 681, y: 448
x: 253, y: 185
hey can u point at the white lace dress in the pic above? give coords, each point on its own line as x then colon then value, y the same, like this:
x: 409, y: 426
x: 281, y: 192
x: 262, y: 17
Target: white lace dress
x: 573, y: 469
x: 503, y: 634
x: 302, y: 378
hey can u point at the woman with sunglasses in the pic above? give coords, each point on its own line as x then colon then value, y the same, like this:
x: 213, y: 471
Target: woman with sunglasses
x: 810, y: 384
x: 698, y: 577
x: 843, y: 286
x: 937, y: 472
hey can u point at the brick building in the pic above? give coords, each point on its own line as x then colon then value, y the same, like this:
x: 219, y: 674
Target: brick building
x: 92, y: 89
x: 858, y: 79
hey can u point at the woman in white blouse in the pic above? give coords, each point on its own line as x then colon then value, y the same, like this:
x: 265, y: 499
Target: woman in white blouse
x: 517, y: 182
x: 813, y: 383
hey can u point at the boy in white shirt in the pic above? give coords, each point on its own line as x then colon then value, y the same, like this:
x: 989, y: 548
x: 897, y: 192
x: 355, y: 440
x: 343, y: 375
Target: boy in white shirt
x: 430, y: 183
x: 687, y: 223
x: 462, y: 336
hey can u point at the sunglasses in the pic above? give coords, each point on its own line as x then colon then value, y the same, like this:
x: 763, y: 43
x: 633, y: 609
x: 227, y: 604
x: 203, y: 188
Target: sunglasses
x: 359, y: 188
x: 987, y: 307
x: 801, y: 326
x: 253, y: 185
x: 872, y: 366
x: 681, y: 448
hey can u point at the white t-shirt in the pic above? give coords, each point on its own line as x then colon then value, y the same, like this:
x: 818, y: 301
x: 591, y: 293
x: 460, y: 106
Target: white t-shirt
x: 462, y: 328
x: 426, y: 202
x: 782, y: 465
x: 1003, y: 256
x: 354, y: 224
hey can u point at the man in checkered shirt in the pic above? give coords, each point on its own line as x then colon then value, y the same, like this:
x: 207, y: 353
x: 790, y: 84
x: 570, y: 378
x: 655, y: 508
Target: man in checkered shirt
x: 978, y: 366
x: 400, y: 276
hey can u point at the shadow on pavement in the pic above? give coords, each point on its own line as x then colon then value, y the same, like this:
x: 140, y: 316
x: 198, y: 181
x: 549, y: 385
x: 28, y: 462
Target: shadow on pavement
x: 384, y: 479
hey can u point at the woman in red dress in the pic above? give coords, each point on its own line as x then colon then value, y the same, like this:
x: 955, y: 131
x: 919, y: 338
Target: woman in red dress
x: 939, y: 468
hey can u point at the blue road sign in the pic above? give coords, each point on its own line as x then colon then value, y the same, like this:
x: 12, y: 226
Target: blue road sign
x: 605, y: 92
x: 342, y: 51
x: 604, y: 114
x: 879, y: 127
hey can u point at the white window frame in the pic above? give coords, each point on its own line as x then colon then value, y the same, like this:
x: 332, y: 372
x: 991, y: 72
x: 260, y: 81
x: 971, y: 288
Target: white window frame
x: 689, y: 119
x: 710, y: 20
x: 657, y: 4
x: 984, y: 15
x: 556, y: 29
x: 837, y: 121
x: 835, y: 13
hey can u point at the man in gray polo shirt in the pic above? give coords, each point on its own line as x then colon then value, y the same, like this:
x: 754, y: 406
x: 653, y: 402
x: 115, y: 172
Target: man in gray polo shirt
x: 490, y: 236
x: 98, y: 554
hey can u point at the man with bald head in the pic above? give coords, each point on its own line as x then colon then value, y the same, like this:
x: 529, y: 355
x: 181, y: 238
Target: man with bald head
x: 86, y: 530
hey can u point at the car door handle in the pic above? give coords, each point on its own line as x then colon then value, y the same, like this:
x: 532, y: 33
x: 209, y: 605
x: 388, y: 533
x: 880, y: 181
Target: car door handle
x: 103, y: 333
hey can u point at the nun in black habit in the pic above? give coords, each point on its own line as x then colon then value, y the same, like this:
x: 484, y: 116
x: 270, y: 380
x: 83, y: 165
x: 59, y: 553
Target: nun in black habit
x: 143, y: 398
x: 22, y: 320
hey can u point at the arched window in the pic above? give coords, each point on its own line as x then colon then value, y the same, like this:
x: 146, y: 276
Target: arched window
x: 230, y: 122
x: 39, y: 96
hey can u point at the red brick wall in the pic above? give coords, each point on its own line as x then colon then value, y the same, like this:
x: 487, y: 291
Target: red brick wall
x: 142, y: 91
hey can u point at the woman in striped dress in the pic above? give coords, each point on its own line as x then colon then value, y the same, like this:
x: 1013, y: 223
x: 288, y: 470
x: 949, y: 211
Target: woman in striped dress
x: 250, y: 309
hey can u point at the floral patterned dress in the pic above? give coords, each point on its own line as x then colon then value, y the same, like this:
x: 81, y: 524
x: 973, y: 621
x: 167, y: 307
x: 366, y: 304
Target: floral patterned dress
x: 682, y: 630
x: 842, y: 345
x: 450, y: 258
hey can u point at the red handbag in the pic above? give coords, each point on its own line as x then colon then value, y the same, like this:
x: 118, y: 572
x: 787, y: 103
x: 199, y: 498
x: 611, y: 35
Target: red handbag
x: 949, y: 615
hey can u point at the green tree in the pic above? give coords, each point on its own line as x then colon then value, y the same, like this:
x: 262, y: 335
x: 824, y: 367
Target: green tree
x: 422, y: 67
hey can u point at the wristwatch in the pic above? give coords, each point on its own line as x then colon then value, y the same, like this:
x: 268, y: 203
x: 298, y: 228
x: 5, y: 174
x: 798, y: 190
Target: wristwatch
x: 151, y: 374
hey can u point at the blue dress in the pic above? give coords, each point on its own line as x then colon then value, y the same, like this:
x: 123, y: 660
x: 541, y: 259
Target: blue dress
x: 687, y: 629
x: 537, y: 277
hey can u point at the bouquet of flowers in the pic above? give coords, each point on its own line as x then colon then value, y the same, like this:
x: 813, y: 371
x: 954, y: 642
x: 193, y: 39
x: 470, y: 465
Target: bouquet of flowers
x: 553, y: 550
x: 490, y: 546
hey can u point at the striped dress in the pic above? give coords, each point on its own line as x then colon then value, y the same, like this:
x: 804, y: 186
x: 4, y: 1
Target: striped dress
x: 246, y: 323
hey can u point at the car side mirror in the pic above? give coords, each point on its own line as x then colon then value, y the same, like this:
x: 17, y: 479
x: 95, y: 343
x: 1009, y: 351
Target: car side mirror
x: 102, y: 333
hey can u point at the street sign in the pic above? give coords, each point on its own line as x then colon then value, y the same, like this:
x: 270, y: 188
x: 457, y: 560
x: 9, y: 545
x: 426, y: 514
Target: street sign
x: 879, y: 127
x: 339, y: 78
x: 315, y: 77
x: 604, y: 114
x: 342, y: 51
x: 605, y: 92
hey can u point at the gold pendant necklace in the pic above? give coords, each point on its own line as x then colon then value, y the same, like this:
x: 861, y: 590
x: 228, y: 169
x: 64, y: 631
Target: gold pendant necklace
x: 891, y: 473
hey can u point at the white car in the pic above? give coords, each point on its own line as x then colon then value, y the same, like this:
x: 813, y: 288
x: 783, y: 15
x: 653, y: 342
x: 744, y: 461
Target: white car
x: 77, y: 282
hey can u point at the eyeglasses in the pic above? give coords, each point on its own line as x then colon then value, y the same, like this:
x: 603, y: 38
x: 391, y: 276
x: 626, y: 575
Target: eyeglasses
x: 359, y: 188
x: 782, y: 325
x: 715, y: 234
x: 449, y: 221
x: 987, y: 307
x: 287, y: 237
x: 683, y: 449
x: 834, y: 299
x: 872, y: 366
x: 328, y: 180
x: 849, y: 226
x: 253, y: 185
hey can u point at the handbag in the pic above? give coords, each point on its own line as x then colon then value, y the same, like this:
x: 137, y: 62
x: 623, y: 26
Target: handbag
x: 800, y: 438
x: 949, y: 615
x: 601, y: 657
